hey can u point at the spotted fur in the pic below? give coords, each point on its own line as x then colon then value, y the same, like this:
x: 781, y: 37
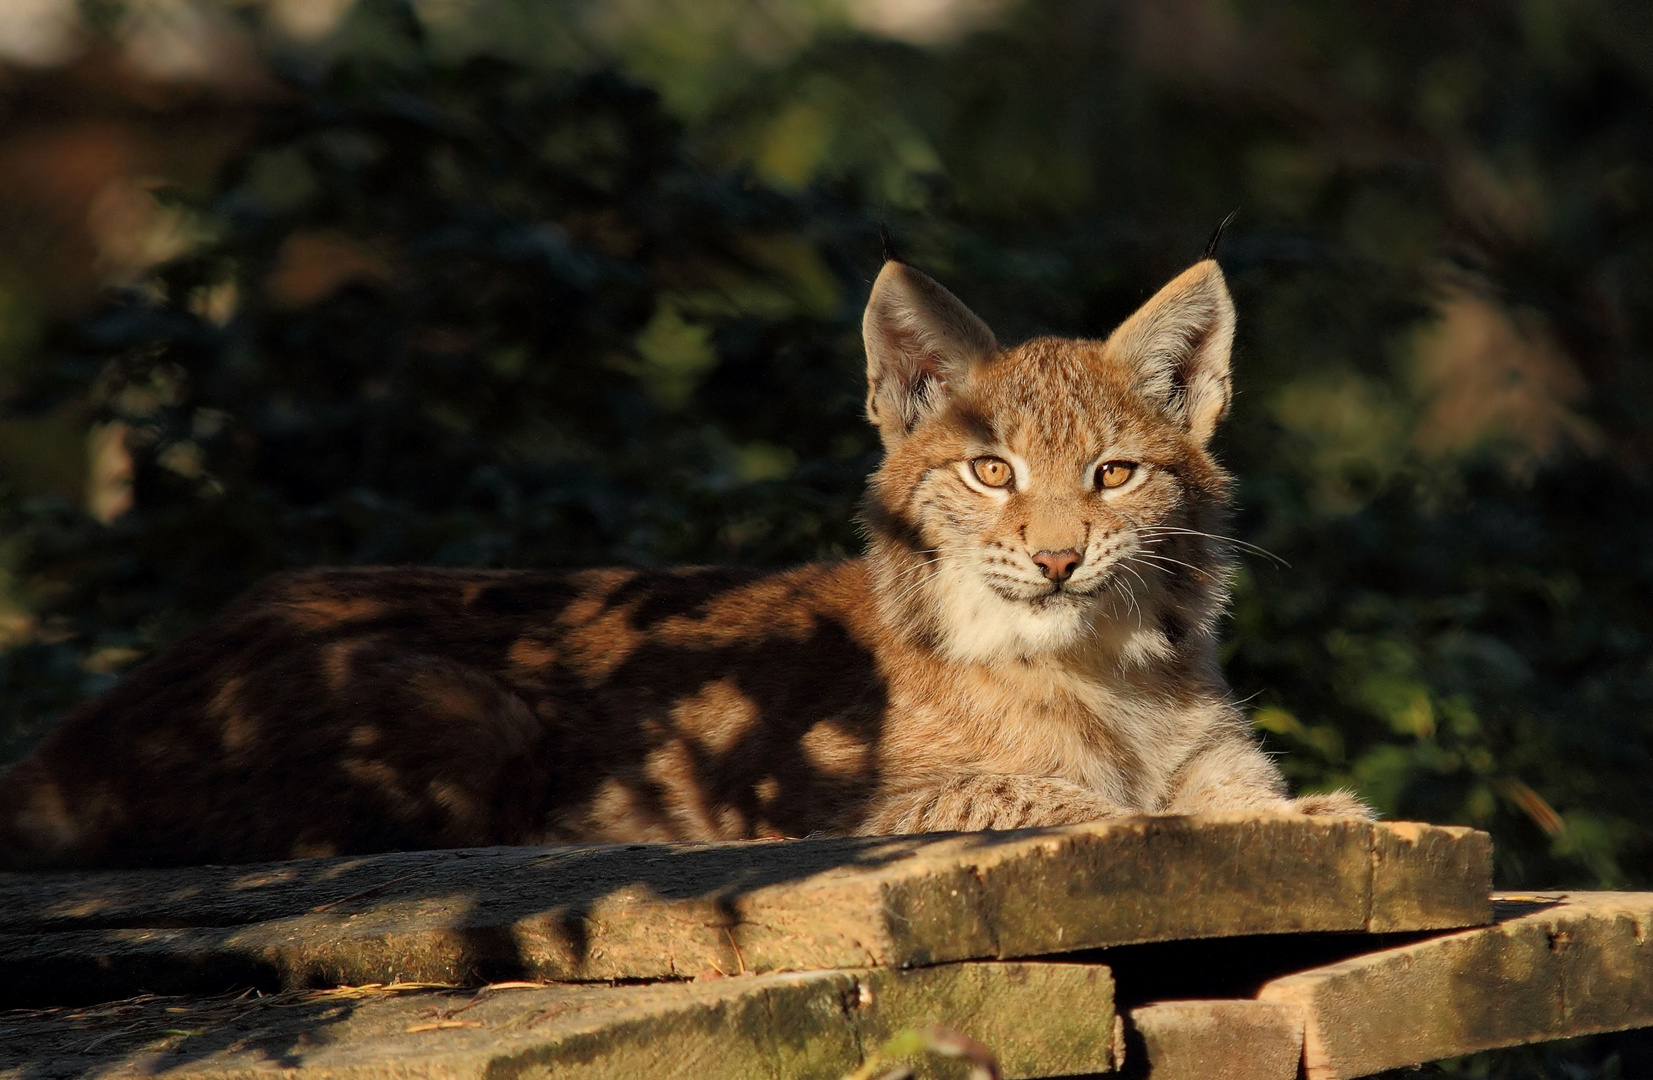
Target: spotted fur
x: 1034, y: 653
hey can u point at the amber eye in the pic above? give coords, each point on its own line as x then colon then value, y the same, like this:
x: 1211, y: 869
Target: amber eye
x: 992, y: 471
x: 1113, y: 473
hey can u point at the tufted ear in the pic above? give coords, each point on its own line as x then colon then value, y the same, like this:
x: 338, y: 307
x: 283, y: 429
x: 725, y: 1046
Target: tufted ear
x: 919, y: 338
x: 1180, y: 343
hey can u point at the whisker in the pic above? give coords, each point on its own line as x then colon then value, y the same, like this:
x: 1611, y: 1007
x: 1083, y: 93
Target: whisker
x: 1115, y: 592
x: 1125, y: 564
x: 916, y: 568
x: 909, y: 590
x: 914, y: 586
x: 1242, y: 544
x: 1178, y: 562
x: 1141, y: 611
x: 899, y: 578
x: 1130, y: 602
x: 916, y: 581
x: 945, y: 555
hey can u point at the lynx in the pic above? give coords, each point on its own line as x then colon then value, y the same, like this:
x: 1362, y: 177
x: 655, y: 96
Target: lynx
x: 1029, y: 640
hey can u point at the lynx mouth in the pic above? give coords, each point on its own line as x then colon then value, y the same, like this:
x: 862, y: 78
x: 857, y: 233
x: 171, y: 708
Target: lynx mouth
x: 1050, y: 594
x: 1070, y: 592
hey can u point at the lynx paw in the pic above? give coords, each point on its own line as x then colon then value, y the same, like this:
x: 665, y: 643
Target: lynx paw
x: 1332, y: 804
x: 988, y: 802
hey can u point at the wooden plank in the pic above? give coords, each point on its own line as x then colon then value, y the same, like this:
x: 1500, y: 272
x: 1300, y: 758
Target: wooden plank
x: 1559, y: 965
x: 1418, y: 873
x: 668, y: 911
x: 1214, y: 1040
x: 1042, y: 1019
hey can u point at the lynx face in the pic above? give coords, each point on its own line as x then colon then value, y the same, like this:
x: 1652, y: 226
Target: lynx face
x: 1039, y: 498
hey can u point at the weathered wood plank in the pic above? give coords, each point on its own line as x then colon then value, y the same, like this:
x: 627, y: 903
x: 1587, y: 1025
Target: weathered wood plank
x: 1040, y: 1019
x: 1572, y: 964
x: 663, y: 911
x: 1418, y: 873
x: 1214, y: 1040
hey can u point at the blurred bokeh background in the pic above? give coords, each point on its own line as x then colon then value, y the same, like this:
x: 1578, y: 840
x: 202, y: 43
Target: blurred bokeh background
x: 549, y: 282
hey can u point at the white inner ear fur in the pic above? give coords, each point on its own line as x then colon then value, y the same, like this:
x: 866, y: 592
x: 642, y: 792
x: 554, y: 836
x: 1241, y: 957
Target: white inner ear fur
x: 1180, y: 342
x: 919, y: 338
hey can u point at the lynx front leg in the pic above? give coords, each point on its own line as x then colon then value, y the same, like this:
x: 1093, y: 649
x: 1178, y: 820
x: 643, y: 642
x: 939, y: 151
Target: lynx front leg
x: 1233, y: 774
x: 964, y: 802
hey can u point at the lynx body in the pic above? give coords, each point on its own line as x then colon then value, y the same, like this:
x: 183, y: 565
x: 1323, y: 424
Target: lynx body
x: 1029, y: 640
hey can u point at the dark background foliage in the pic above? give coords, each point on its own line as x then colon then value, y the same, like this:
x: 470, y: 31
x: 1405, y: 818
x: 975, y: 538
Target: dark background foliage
x: 557, y: 284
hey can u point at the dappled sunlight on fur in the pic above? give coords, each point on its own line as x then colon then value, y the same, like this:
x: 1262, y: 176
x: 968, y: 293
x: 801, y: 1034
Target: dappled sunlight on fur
x: 1029, y: 640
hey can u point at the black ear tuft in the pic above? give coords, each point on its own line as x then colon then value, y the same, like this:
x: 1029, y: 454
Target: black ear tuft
x: 891, y: 252
x: 1216, y: 240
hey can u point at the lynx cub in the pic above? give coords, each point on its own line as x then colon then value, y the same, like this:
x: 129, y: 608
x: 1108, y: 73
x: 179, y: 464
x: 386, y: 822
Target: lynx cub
x: 1028, y: 641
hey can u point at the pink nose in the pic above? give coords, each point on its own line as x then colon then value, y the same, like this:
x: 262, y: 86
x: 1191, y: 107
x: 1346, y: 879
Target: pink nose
x: 1057, y: 565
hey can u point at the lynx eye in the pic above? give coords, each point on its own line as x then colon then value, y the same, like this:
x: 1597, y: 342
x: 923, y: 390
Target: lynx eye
x: 992, y: 471
x: 1111, y: 474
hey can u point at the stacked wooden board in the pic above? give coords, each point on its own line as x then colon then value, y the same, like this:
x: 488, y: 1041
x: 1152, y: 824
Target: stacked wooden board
x: 1209, y: 946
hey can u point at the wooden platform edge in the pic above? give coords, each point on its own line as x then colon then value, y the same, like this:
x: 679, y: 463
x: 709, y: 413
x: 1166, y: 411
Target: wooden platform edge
x: 1573, y: 964
x: 930, y: 900
x: 1040, y: 1019
x: 1429, y: 877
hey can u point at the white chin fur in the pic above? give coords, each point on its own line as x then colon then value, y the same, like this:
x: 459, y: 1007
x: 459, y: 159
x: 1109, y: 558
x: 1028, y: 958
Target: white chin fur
x: 983, y: 626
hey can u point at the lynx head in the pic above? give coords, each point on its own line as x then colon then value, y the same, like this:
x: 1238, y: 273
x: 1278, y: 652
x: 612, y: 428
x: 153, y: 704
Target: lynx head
x: 1054, y: 496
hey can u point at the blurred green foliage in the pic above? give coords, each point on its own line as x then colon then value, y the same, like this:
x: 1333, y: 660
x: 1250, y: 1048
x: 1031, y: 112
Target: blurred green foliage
x: 477, y: 295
